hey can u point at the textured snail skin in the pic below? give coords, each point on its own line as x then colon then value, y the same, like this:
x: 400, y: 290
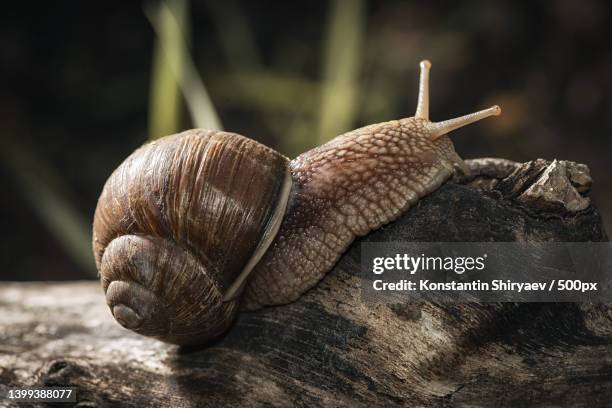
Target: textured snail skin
x: 180, y: 223
x: 350, y: 186
x: 342, y: 190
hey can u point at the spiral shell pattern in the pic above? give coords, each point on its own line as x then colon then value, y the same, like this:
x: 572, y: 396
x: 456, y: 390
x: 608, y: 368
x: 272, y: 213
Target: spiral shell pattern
x: 175, y: 225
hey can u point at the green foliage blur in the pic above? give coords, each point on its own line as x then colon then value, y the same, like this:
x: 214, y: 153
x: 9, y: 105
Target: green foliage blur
x: 84, y: 87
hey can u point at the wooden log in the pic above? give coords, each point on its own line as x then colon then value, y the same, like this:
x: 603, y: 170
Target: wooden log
x: 330, y: 348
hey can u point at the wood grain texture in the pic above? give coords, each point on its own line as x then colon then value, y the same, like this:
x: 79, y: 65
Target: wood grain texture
x: 331, y: 349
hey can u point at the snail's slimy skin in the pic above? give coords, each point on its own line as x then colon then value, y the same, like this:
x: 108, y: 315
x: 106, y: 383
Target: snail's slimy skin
x: 193, y: 226
x: 344, y: 189
x: 350, y: 186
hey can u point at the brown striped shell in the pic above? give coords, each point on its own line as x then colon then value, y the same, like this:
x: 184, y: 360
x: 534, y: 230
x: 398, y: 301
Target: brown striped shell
x: 179, y: 225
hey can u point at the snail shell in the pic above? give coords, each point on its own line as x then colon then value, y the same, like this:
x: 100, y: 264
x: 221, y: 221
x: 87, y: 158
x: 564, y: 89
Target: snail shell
x: 180, y: 224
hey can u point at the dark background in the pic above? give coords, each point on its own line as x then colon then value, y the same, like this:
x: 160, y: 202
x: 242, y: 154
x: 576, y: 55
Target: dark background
x: 76, y: 79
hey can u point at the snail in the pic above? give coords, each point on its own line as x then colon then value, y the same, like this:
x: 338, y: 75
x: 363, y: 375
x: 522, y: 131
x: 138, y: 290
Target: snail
x: 193, y: 227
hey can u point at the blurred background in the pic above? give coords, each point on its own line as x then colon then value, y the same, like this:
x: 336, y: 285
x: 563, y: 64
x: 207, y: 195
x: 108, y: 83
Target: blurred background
x: 85, y: 83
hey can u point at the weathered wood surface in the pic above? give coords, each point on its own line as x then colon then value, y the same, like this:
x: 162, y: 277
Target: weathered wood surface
x: 331, y: 349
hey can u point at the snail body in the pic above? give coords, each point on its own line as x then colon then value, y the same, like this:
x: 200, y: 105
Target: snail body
x: 195, y: 226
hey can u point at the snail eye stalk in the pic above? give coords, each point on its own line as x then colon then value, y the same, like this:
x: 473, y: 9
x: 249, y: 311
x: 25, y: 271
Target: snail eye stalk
x: 437, y: 129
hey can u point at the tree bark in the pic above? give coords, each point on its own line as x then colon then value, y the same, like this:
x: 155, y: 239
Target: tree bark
x: 331, y: 349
